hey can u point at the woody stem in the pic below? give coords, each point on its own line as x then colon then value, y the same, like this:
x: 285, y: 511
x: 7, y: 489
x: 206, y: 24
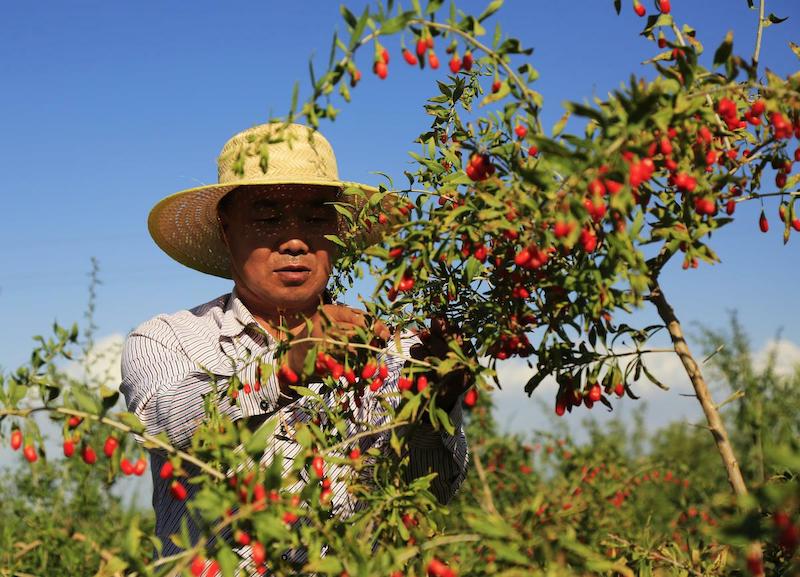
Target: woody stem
x: 715, y: 424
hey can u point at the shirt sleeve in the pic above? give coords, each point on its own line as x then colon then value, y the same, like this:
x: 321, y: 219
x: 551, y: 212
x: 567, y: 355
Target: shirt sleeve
x: 430, y: 451
x: 163, y: 387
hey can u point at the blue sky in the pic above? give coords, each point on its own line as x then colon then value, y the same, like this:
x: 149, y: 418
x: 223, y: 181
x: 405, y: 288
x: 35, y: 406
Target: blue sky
x: 107, y: 107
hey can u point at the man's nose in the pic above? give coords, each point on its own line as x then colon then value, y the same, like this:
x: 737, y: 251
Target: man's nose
x: 293, y: 246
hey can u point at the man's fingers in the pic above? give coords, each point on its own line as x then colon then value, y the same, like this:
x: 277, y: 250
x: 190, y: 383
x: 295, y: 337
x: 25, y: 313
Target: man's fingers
x: 382, y: 331
x: 343, y: 328
x: 344, y: 322
x: 418, y: 351
x: 439, y: 326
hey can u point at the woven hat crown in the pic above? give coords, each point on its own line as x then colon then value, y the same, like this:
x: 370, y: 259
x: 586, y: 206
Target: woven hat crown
x: 283, y: 152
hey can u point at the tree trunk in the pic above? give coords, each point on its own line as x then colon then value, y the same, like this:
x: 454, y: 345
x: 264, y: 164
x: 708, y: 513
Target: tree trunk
x: 713, y: 418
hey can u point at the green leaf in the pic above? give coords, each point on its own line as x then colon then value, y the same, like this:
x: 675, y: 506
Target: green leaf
x: 493, y: 7
x: 16, y: 392
x: 652, y: 378
x: 773, y: 19
x: 228, y: 560
x: 509, y: 551
x: 795, y: 48
x: 473, y: 267
x: 444, y: 419
x: 113, y: 566
x: 303, y: 438
x: 295, y: 91
x: 162, y: 436
x: 512, y: 46
x: 310, y: 360
x: 342, y: 209
x: 504, y: 91
x: 530, y: 72
x: 258, y: 441
x: 535, y: 381
x: 655, y: 21
x: 306, y: 392
x: 359, y: 29
x: 397, y: 23
x: 458, y: 89
x: 131, y: 421
x: 396, y: 443
x: 109, y: 396
x: 336, y: 240
x: 433, y: 6
x: 490, y: 526
x: 328, y: 564
x: 268, y: 525
x: 348, y: 17
x: 409, y: 408
x: 586, y: 111
x: 73, y: 333
x: 559, y: 126
x: 85, y: 401
x: 723, y: 53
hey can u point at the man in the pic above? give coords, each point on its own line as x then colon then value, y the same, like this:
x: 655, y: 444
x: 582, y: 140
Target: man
x: 263, y: 226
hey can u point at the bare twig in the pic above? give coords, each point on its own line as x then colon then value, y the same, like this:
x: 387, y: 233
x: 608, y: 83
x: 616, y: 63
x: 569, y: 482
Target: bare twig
x: 709, y: 357
x: 654, y: 556
x: 759, y: 33
x: 488, y: 501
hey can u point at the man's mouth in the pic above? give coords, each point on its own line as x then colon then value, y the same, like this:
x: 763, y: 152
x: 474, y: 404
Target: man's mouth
x: 294, y: 268
x: 293, y: 274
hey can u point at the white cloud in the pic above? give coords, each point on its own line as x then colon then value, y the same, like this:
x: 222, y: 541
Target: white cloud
x: 102, y: 365
x: 517, y: 412
x: 787, y: 356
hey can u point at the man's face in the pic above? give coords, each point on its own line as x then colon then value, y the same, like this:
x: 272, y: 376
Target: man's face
x: 279, y: 255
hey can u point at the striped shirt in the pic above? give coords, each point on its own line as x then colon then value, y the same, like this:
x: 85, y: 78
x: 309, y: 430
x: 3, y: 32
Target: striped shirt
x: 166, y: 363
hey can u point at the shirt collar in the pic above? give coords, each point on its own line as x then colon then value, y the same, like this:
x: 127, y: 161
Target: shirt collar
x: 235, y: 317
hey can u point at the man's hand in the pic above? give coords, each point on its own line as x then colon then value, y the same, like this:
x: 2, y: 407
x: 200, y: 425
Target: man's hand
x: 435, y: 344
x: 341, y: 324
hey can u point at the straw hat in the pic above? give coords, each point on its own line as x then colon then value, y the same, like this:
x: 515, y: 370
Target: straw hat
x: 185, y: 225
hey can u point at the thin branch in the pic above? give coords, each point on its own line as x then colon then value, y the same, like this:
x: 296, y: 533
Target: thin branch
x: 756, y: 195
x: 487, y: 493
x: 363, y: 434
x: 757, y: 50
x: 678, y: 34
x: 121, y: 427
x: 655, y: 556
x: 709, y: 357
x: 737, y: 395
x: 489, y: 52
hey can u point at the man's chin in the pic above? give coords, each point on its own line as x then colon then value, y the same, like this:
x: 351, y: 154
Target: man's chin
x: 294, y: 297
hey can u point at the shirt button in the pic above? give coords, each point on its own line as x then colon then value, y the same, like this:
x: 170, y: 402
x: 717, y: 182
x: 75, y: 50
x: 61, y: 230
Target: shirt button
x: 264, y: 405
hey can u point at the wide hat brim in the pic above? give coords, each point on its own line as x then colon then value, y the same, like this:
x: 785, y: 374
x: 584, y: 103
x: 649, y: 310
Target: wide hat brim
x: 186, y: 227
